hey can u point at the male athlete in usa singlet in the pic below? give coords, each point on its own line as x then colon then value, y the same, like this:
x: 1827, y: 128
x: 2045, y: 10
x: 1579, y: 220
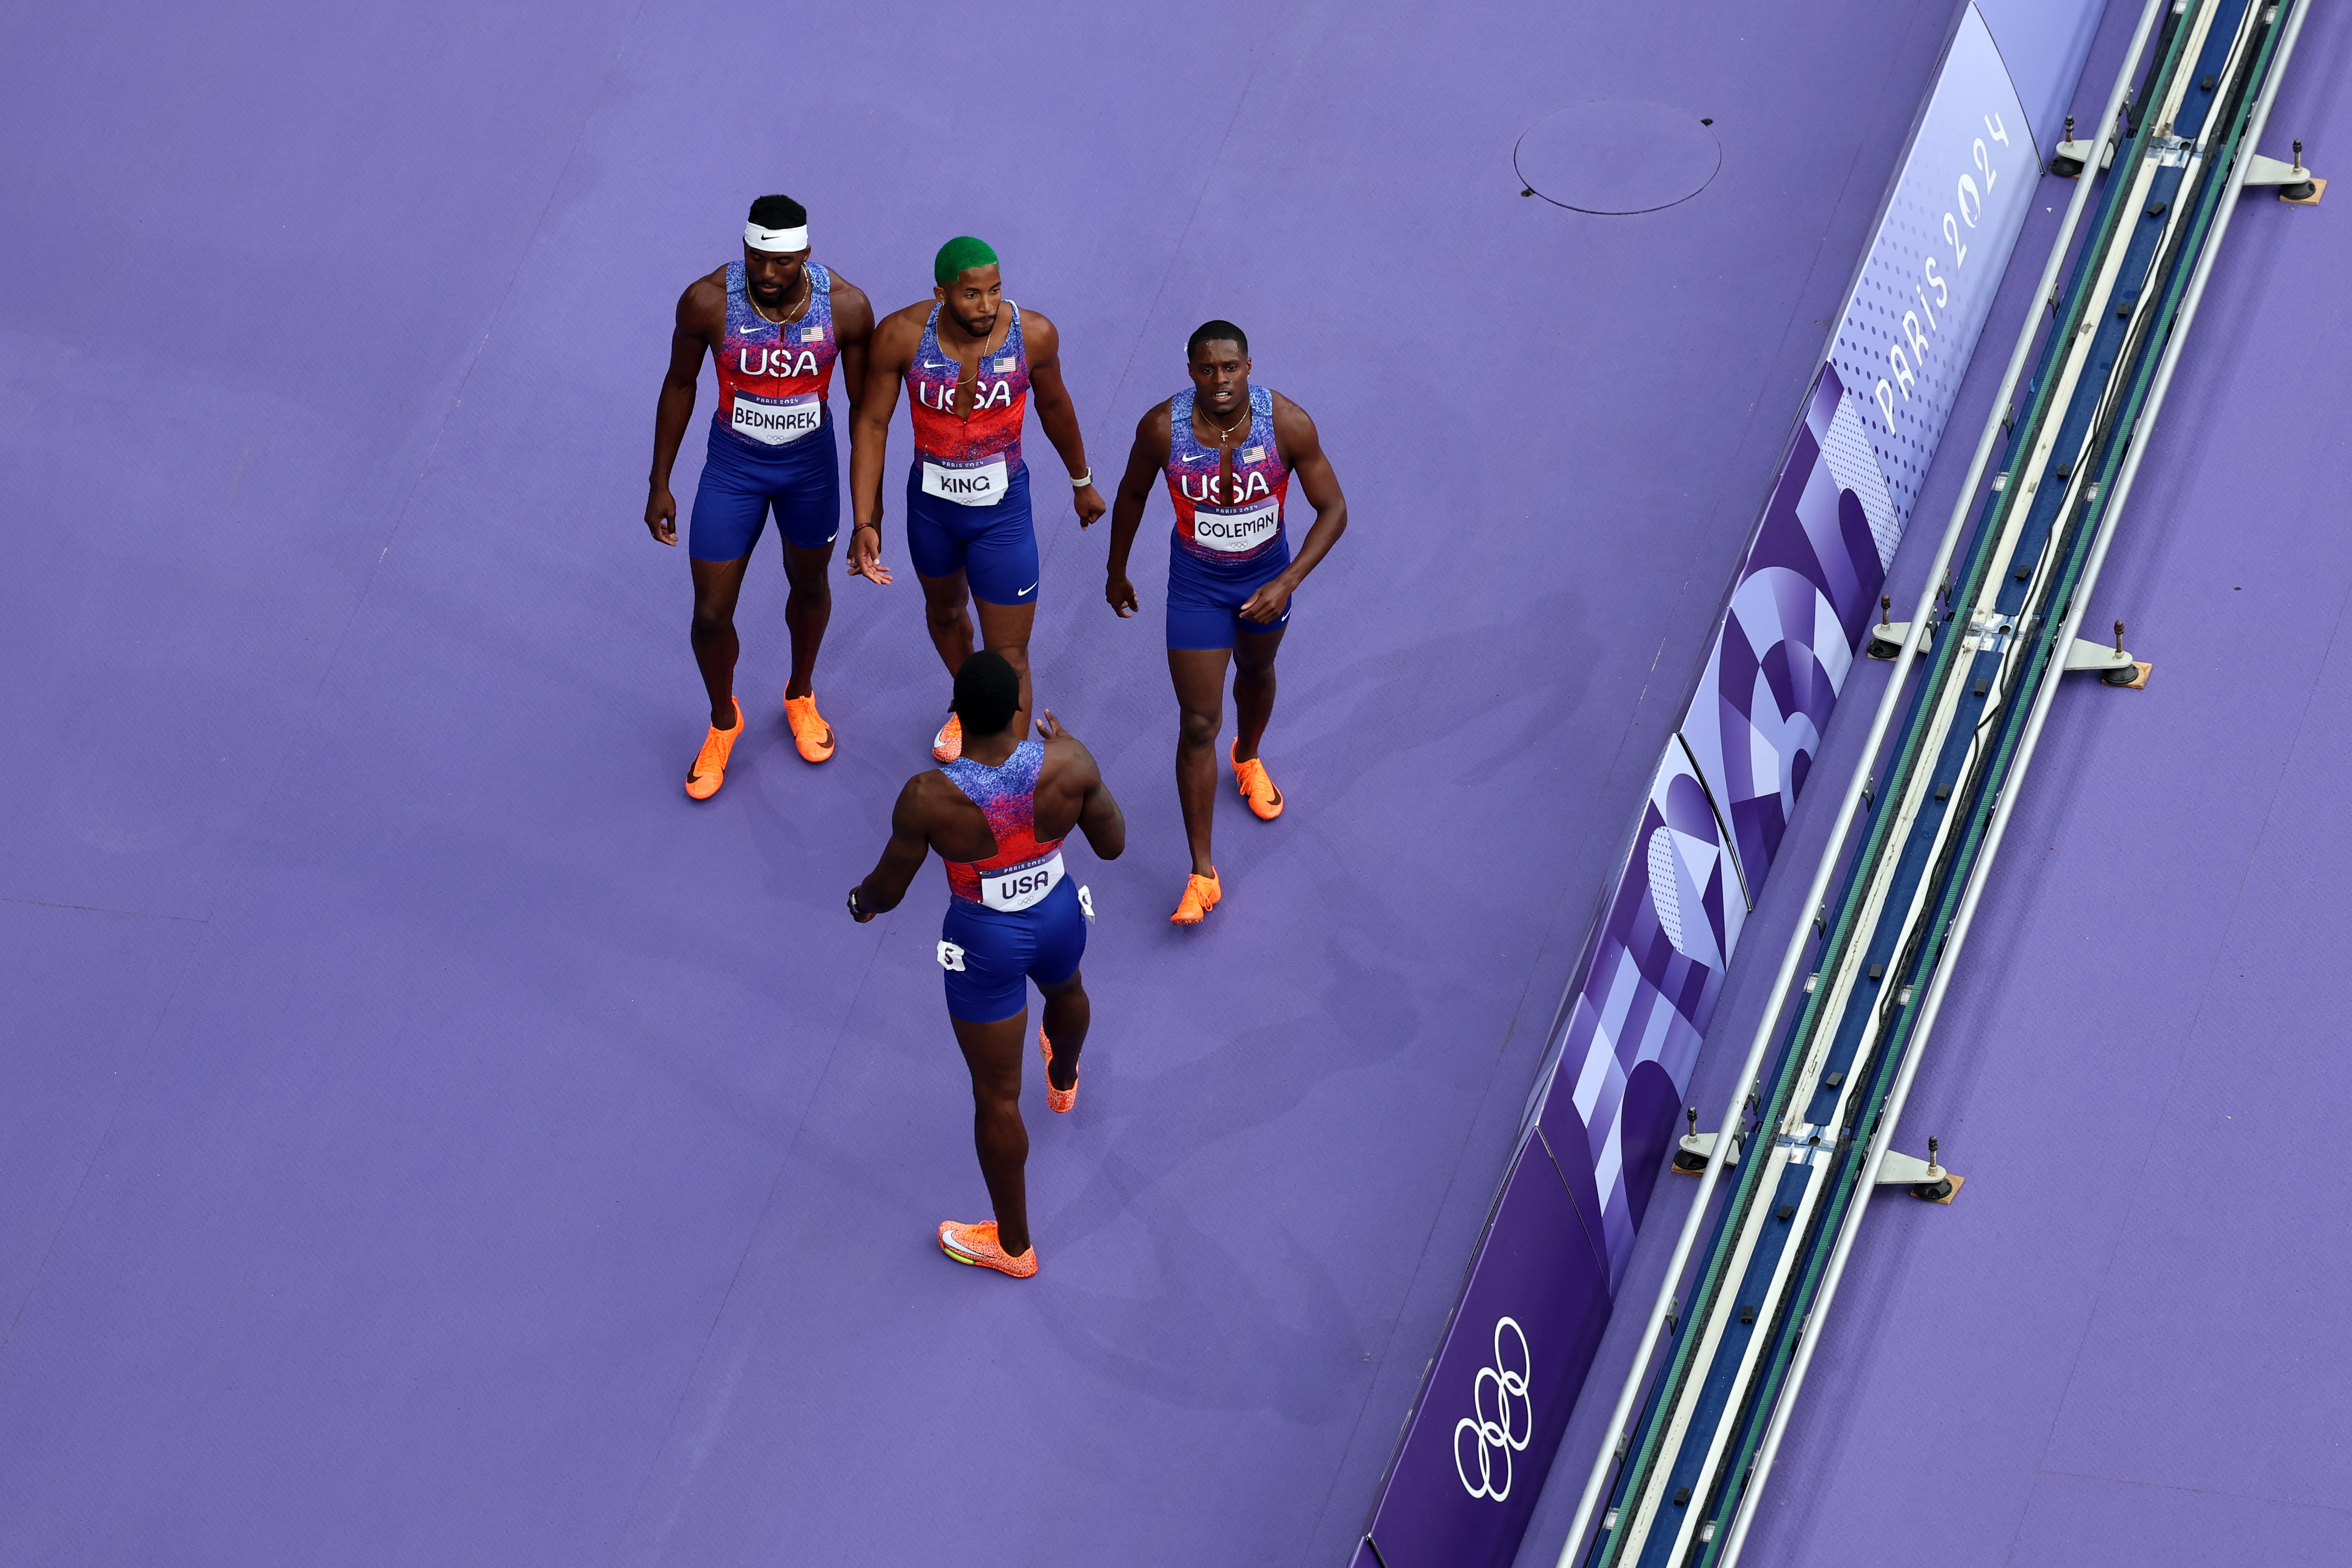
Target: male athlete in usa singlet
x: 998, y: 816
x: 971, y: 359
x: 968, y: 456
x: 1228, y: 451
x: 1229, y: 539
x: 775, y: 324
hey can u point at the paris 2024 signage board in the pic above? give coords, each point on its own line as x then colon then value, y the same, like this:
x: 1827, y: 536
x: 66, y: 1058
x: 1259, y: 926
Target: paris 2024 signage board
x: 1495, y: 1400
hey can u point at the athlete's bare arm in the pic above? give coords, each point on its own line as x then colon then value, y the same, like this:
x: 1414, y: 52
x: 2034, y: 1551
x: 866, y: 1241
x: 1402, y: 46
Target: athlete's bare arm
x: 1302, y: 454
x: 894, y: 343
x: 702, y: 327
x: 1071, y: 793
x: 1145, y: 461
x: 853, y: 330
x: 924, y: 806
x: 1059, y: 417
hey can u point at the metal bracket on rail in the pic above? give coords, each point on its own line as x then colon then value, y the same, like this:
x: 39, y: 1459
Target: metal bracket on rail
x: 1928, y: 1182
x: 1887, y: 637
x: 2296, y: 184
x: 2116, y: 667
x: 1691, y: 1157
x: 2070, y: 157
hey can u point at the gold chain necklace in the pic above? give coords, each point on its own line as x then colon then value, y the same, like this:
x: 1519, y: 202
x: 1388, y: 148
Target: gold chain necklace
x: 979, y: 359
x: 808, y: 298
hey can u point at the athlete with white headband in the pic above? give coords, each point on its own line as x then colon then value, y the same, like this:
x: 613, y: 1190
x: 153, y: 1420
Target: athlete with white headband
x: 774, y: 323
x: 970, y: 357
x: 1228, y: 451
x: 997, y: 815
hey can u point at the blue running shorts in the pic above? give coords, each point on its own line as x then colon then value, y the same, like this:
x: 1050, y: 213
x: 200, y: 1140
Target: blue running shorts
x: 743, y: 481
x: 994, y: 547
x: 1204, y: 600
x: 991, y: 955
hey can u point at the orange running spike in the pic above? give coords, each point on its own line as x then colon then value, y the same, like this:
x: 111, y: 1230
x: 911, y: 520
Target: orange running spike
x: 1256, y: 788
x: 1201, y: 896
x: 710, y: 770
x: 810, y: 734
x: 948, y: 745
x: 1055, y: 1099
x: 976, y: 1245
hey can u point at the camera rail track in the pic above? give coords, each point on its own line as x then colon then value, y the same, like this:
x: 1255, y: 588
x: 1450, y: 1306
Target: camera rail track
x: 1988, y: 647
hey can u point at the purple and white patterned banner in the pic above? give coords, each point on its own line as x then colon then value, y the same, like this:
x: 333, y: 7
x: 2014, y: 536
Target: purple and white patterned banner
x: 1604, y: 1110
x: 1498, y: 1394
x: 1633, y: 1029
x: 1806, y: 591
x: 1927, y: 282
x: 1718, y: 803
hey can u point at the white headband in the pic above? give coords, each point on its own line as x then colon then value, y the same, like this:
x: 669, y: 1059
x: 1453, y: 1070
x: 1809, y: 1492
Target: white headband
x: 758, y: 238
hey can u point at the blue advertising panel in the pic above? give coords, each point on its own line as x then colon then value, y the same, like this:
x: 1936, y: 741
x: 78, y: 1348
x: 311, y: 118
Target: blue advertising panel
x: 1911, y: 323
x: 2044, y: 44
x: 1633, y: 1030
x: 1805, y: 593
x: 1499, y: 1392
x: 1606, y: 1107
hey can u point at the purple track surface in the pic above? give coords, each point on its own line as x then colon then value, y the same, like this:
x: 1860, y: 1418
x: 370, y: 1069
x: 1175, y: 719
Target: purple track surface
x: 2120, y: 1345
x: 431, y: 1139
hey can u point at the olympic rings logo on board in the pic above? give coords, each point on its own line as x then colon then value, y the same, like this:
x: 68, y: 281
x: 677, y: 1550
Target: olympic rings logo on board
x: 1498, y: 1435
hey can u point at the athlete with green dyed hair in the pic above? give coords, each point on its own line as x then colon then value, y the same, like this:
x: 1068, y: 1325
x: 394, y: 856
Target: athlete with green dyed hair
x: 970, y: 357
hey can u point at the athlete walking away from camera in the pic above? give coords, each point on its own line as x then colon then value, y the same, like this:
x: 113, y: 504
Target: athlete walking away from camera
x: 970, y: 358
x: 774, y: 324
x: 1228, y: 451
x: 998, y: 815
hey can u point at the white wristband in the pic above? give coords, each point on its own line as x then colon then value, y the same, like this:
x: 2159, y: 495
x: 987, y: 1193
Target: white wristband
x: 1082, y: 480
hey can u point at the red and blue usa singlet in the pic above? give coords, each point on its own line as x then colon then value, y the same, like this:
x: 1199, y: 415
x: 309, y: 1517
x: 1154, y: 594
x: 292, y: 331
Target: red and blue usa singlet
x: 1022, y: 871
x: 969, y: 456
x: 772, y: 377
x: 1211, y: 525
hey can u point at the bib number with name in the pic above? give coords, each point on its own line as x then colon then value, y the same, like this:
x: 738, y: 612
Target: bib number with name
x: 968, y: 484
x: 1021, y: 887
x: 1237, y: 529
x: 776, y: 424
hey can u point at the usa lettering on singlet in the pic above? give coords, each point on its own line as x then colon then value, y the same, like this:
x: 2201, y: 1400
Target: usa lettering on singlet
x: 1022, y: 871
x: 772, y: 377
x: 1211, y: 523
x: 969, y: 456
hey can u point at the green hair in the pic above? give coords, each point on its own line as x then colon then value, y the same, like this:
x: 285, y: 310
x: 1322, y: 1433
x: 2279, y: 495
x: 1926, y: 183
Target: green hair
x: 961, y: 254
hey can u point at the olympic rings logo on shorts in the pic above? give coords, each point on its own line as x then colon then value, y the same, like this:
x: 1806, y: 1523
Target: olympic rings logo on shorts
x: 951, y: 957
x: 1498, y: 1437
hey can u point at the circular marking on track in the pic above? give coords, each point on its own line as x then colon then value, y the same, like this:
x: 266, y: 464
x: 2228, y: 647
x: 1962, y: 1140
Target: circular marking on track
x: 1617, y: 156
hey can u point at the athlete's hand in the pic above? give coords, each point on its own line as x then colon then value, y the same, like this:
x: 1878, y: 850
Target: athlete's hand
x: 1089, y: 503
x: 661, y: 515
x: 1122, y: 595
x: 1266, y: 605
x: 1048, y: 727
x: 866, y: 554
